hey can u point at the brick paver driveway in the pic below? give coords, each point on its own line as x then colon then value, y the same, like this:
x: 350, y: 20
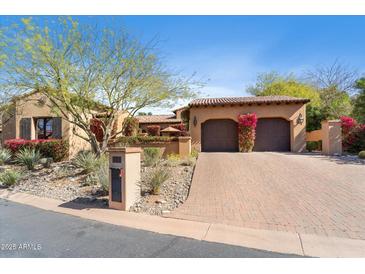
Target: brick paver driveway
x: 279, y: 191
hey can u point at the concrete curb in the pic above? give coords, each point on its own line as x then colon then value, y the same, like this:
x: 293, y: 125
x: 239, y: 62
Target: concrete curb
x: 276, y: 241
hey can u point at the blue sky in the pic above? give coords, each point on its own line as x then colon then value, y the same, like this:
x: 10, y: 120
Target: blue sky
x: 231, y: 50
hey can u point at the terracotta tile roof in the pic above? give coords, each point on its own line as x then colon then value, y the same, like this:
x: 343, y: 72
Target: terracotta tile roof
x: 246, y: 100
x: 180, y: 108
x: 151, y: 119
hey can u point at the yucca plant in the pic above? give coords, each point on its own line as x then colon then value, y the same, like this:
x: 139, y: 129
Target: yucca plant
x: 5, y: 155
x: 87, y: 161
x: 159, y: 176
x: 28, y: 157
x: 102, y: 175
x: 9, y: 177
x: 151, y: 155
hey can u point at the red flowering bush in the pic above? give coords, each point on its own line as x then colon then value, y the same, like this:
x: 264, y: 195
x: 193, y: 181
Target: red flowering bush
x: 153, y: 130
x: 182, y: 128
x: 247, y: 131
x: 353, y: 135
x: 347, y: 124
x: 97, y: 127
x: 50, y: 148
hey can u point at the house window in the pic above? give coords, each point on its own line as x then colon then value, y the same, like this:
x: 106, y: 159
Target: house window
x: 44, y: 128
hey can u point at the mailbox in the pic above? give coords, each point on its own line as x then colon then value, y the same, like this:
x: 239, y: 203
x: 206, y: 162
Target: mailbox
x: 124, y: 177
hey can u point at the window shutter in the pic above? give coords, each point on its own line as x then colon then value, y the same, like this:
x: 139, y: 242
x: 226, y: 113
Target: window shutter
x: 25, y: 130
x: 57, y: 128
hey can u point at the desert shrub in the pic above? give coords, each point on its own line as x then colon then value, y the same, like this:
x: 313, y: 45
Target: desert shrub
x: 58, y: 150
x: 5, y: 155
x: 87, y: 161
x: 153, y: 130
x: 173, y: 159
x: 9, y: 177
x: 28, y: 157
x: 159, y: 176
x: 49, y: 148
x: 194, y: 153
x: 314, y: 146
x: 102, y: 175
x: 151, y: 155
x: 362, y: 154
x: 141, y: 140
x: 131, y: 126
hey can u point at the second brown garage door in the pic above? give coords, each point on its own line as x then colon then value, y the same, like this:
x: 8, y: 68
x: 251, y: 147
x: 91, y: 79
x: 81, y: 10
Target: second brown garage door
x: 272, y: 134
x: 219, y: 136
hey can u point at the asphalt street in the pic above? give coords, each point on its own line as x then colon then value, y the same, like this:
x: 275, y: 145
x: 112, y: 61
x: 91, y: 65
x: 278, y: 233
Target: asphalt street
x: 27, y: 231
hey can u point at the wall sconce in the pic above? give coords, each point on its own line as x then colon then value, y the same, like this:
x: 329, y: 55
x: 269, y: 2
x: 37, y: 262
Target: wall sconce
x: 195, y: 121
x: 300, y: 119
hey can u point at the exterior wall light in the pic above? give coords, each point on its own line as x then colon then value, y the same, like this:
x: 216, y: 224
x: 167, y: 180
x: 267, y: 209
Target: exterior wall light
x: 195, y: 121
x: 300, y: 119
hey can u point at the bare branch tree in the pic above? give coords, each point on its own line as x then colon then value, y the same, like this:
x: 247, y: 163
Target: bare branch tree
x: 337, y: 75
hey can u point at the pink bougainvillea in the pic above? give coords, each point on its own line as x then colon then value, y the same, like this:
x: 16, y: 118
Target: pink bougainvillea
x: 347, y: 124
x: 246, y: 131
x: 353, y: 135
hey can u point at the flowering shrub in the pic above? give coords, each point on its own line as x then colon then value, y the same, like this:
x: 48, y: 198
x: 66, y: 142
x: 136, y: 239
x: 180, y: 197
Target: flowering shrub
x: 153, y: 130
x: 97, y: 127
x: 246, y: 131
x: 182, y: 128
x: 353, y: 135
x: 347, y: 124
x: 50, y: 148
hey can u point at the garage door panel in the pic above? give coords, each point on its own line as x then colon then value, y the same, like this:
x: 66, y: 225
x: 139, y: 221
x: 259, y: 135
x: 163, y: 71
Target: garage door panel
x: 219, y: 135
x: 272, y: 134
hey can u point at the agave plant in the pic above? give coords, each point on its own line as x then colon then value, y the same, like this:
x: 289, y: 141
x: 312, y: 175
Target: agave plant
x: 28, y: 157
x: 87, y: 161
x: 5, y: 155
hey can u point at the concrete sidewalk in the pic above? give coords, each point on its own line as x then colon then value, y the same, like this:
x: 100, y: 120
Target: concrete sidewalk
x: 283, y: 242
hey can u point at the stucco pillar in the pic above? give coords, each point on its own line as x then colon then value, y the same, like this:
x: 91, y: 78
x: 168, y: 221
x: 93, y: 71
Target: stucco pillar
x: 124, y: 176
x: 331, y: 137
x: 184, y: 146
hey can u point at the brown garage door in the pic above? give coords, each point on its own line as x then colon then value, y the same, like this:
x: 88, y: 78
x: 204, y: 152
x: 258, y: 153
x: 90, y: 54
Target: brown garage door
x: 219, y: 136
x: 272, y: 134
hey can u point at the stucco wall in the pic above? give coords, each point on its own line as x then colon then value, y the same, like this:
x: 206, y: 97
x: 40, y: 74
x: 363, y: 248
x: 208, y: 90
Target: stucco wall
x: 8, y: 125
x: 34, y: 106
x: 289, y: 112
x: 314, y: 136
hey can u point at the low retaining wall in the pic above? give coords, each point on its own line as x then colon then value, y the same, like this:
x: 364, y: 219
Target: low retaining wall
x: 314, y: 136
x: 182, y: 147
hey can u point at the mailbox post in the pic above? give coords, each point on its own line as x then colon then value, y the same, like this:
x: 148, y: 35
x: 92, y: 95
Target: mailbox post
x: 124, y: 175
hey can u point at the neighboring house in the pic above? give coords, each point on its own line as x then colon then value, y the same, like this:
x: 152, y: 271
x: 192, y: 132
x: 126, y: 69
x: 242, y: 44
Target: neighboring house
x: 281, y: 123
x: 31, y: 117
x: 181, y: 115
x: 163, y: 121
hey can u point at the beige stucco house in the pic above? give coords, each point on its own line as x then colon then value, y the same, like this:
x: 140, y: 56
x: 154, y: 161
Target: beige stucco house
x: 31, y: 117
x: 281, y: 123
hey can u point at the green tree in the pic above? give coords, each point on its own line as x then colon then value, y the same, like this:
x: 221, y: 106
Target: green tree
x: 81, y: 68
x: 359, y: 101
x: 274, y: 84
x: 335, y: 103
